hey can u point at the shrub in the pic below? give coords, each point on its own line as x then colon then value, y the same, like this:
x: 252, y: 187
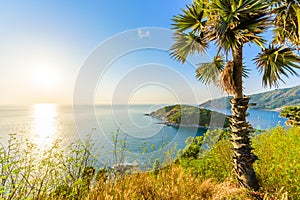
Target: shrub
x: 278, y: 167
x: 293, y: 115
x: 215, y: 158
x: 192, y: 149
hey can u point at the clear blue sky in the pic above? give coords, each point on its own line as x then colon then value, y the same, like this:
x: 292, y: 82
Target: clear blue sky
x: 43, y: 45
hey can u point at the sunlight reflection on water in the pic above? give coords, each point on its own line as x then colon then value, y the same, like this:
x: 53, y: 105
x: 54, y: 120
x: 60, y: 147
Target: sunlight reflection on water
x: 45, y: 125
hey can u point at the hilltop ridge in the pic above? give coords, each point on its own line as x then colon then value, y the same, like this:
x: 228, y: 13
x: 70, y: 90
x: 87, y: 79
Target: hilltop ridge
x: 274, y: 99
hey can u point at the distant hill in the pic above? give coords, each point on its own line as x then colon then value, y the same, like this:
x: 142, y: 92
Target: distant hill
x: 267, y: 100
x: 190, y: 116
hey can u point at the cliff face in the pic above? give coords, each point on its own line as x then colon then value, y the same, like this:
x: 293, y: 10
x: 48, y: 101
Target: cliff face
x: 186, y: 115
x: 267, y: 100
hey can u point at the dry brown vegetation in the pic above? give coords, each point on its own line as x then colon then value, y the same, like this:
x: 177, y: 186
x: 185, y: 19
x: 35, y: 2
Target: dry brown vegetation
x: 172, y: 183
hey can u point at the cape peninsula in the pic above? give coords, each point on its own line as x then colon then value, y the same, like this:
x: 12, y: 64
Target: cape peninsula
x: 190, y: 116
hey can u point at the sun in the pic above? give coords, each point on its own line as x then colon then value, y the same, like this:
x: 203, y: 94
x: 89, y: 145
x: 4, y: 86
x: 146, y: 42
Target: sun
x: 45, y: 77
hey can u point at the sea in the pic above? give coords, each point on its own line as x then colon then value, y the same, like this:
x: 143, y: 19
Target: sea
x: 123, y: 128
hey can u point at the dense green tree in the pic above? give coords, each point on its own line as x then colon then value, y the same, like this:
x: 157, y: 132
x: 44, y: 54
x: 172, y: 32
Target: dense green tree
x: 230, y: 24
x: 293, y: 115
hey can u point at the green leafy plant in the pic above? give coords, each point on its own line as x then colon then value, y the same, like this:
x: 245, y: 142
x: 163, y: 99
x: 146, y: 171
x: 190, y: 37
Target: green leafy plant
x: 279, y: 164
x: 293, y: 115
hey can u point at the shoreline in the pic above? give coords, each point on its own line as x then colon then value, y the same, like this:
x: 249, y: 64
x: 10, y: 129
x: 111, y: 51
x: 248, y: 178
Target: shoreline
x: 166, y: 123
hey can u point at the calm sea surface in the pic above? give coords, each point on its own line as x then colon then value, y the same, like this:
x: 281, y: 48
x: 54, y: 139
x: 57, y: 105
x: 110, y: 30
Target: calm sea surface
x: 145, y: 137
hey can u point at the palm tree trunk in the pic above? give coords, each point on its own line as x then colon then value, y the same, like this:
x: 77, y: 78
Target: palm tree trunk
x: 237, y: 56
x: 243, y: 158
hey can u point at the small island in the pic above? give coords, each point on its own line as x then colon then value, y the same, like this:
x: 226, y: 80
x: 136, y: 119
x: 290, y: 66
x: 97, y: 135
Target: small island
x: 190, y: 116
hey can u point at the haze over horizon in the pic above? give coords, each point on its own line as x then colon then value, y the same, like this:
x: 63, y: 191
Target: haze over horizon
x: 44, y: 45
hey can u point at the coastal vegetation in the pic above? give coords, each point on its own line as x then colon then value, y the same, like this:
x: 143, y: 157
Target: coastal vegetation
x: 28, y: 172
x: 231, y: 160
x: 230, y: 25
x: 73, y: 173
x: 186, y: 115
x: 293, y: 115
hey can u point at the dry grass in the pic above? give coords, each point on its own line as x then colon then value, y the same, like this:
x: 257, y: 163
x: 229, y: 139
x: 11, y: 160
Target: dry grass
x: 173, y: 183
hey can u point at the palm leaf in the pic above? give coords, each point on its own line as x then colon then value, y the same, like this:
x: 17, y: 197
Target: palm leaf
x: 287, y: 21
x: 245, y: 72
x: 190, y: 29
x: 239, y: 22
x: 186, y: 44
x: 192, y: 19
x: 210, y: 72
x: 275, y: 62
x: 226, y: 78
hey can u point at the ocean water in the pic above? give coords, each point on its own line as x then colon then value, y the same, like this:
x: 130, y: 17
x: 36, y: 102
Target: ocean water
x: 144, y: 136
x: 260, y: 119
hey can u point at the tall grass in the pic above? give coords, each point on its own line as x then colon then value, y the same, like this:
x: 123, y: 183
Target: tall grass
x: 27, y: 172
x: 202, y: 173
x: 171, y: 183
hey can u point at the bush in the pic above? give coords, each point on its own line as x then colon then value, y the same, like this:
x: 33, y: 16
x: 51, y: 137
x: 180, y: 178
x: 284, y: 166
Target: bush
x: 293, y: 115
x: 278, y: 167
x: 215, y: 158
x: 192, y: 149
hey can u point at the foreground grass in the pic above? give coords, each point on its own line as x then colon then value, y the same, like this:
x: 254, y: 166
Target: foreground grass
x: 71, y: 175
x: 171, y: 183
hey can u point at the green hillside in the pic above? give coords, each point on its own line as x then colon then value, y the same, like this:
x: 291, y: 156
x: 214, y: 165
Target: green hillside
x: 267, y: 100
x: 186, y: 115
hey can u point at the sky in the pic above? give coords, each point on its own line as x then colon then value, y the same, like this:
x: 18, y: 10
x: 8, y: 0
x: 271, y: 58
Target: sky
x: 63, y: 51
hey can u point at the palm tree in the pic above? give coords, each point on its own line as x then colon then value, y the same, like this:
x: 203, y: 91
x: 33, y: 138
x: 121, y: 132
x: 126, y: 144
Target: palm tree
x: 230, y: 24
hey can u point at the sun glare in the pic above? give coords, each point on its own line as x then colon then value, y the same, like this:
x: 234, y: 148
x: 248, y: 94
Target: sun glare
x: 45, y: 77
x: 45, y: 120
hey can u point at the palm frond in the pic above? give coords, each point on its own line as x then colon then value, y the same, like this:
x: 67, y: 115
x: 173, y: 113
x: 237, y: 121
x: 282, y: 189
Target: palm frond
x: 226, y: 78
x: 210, y: 72
x: 192, y: 18
x: 275, y: 62
x: 245, y: 72
x: 214, y: 72
x: 240, y: 22
x: 186, y: 44
x: 287, y: 22
x: 190, y: 36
